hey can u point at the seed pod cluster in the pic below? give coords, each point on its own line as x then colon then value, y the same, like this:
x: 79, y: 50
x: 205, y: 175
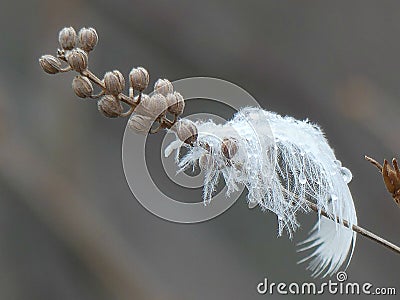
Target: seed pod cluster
x: 143, y: 109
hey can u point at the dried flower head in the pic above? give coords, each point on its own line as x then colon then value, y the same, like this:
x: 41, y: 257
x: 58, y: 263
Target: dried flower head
x: 176, y: 103
x: 391, y: 176
x: 140, y: 124
x: 77, y: 59
x: 50, y: 64
x: 109, y: 106
x: 186, y: 131
x: 229, y: 147
x: 67, y: 38
x: 88, y: 38
x: 163, y: 87
x: 114, y: 82
x: 139, y: 78
x: 82, y: 86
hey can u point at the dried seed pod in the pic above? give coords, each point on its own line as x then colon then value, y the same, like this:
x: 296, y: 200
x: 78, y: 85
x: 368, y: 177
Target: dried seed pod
x: 114, y: 82
x: 186, y: 131
x: 50, y: 64
x: 204, y: 161
x: 140, y: 124
x: 67, y: 38
x: 88, y: 38
x: 163, y: 87
x: 152, y: 106
x: 139, y: 78
x: 82, y: 86
x: 229, y: 147
x: 109, y: 106
x: 176, y: 103
x: 77, y: 59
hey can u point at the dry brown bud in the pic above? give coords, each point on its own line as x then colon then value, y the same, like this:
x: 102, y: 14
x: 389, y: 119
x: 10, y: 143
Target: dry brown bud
x: 77, y: 59
x: 82, y: 86
x: 163, y: 86
x: 229, y: 147
x: 176, y: 103
x: 114, y: 82
x: 139, y: 78
x: 88, y: 38
x: 109, y: 106
x: 50, y: 64
x: 152, y: 106
x: 186, y: 131
x: 67, y: 38
x: 140, y: 124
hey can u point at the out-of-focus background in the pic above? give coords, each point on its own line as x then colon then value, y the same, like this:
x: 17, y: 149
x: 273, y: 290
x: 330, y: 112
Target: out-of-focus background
x: 70, y: 227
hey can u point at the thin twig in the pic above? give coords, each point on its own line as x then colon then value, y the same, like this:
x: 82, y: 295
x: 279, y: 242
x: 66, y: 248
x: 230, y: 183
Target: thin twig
x: 355, y: 228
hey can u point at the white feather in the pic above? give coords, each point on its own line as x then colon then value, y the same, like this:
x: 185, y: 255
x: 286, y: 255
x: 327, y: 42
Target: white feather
x: 282, y: 162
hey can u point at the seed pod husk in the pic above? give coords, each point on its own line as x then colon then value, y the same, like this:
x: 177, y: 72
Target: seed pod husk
x: 140, y: 124
x: 176, y: 103
x: 186, y: 131
x: 139, y: 78
x: 88, y: 38
x: 114, y: 82
x: 67, y: 38
x: 109, y: 106
x: 50, y: 64
x: 229, y: 147
x: 77, y: 59
x: 82, y: 86
x: 163, y: 87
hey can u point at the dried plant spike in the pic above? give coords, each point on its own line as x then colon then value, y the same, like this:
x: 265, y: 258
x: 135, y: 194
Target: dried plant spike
x: 77, y: 59
x: 139, y: 78
x: 176, y: 103
x: 88, y: 38
x: 229, y: 147
x: 67, y: 38
x: 110, y: 106
x: 163, y: 87
x: 391, y: 177
x: 82, y: 86
x: 50, y: 64
x: 140, y: 124
x: 114, y: 82
x: 186, y: 131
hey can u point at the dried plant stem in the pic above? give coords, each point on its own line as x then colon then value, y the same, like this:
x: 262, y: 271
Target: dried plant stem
x: 355, y: 228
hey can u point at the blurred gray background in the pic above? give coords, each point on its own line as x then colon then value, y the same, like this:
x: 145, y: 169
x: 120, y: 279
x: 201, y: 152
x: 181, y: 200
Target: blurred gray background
x: 70, y: 227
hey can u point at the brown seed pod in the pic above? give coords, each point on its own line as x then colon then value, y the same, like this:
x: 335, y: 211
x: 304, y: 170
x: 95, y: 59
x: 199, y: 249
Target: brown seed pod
x: 114, y: 82
x: 67, y: 38
x: 82, y: 86
x: 229, y: 147
x: 139, y: 78
x: 140, y: 124
x: 153, y: 106
x: 88, y: 38
x: 186, y: 131
x: 50, y: 64
x: 204, y: 161
x: 77, y: 59
x: 176, y: 103
x: 109, y: 106
x: 163, y: 87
